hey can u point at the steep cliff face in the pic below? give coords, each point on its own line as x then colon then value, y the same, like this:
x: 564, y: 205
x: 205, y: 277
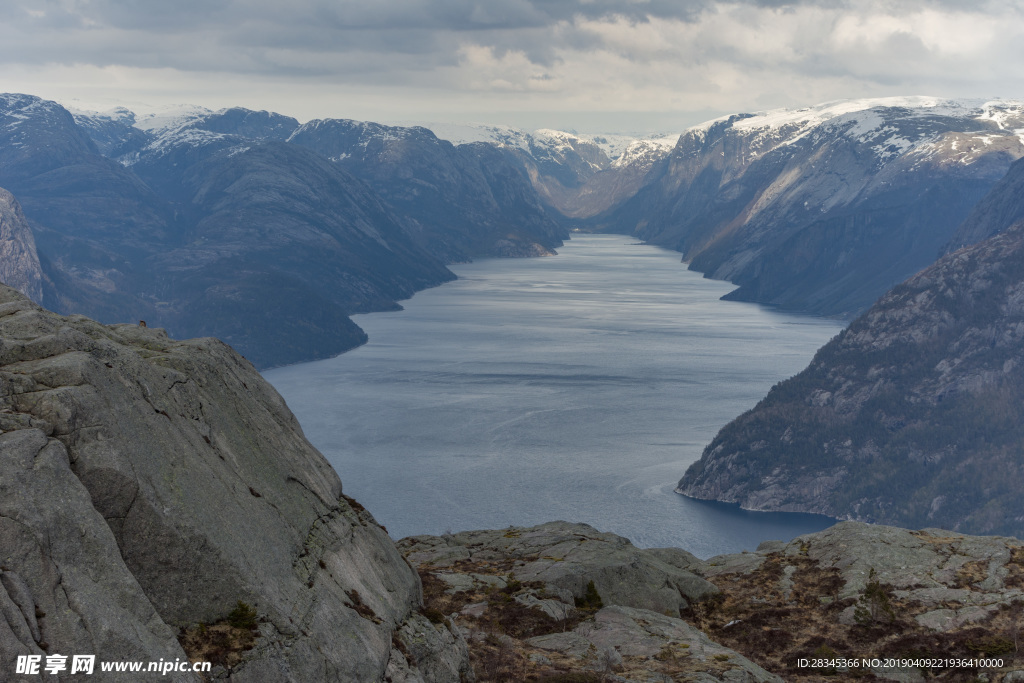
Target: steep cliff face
x: 823, y: 209
x: 468, y: 200
x: 150, y: 484
x: 1001, y: 207
x: 913, y: 415
x: 19, y: 262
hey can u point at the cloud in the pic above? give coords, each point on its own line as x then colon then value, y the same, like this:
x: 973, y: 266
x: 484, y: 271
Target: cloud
x: 513, y: 55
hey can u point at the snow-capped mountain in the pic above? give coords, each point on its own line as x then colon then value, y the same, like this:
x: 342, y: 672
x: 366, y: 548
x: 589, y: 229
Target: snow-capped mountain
x: 818, y: 209
x: 824, y: 208
x: 247, y: 226
x: 579, y: 175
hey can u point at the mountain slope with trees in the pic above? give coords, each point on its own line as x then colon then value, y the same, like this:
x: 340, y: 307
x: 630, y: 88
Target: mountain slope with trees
x: 914, y: 415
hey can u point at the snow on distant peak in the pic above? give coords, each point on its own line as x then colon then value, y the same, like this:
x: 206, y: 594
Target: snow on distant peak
x: 171, y: 117
x: 114, y: 114
x: 817, y: 114
x: 464, y: 133
x: 1005, y: 114
x: 644, y: 150
x: 182, y: 137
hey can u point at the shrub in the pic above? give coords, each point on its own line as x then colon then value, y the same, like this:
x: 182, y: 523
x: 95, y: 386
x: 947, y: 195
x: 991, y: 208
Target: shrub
x: 242, y: 616
x: 591, y: 599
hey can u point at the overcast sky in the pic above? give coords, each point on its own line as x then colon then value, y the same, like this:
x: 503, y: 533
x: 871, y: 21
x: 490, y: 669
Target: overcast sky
x: 592, y: 65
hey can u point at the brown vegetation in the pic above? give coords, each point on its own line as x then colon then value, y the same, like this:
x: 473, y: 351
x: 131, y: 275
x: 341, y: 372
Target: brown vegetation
x: 776, y: 627
x: 223, y: 642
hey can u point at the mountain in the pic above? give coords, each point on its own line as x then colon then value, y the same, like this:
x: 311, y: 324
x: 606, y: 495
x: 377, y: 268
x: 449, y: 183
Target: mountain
x: 160, y: 503
x: 1000, y: 208
x: 207, y: 223
x: 113, y: 132
x: 19, y: 262
x: 280, y: 247
x: 577, y: 175
x: 468, y: 200
x: 823, y: 209
x: 251, y: 227
x: 913, y: 415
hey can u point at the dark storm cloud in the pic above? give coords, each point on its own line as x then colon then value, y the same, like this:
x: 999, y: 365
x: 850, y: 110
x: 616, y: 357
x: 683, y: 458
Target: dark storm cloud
x: 242, y: 35
x: 581, y: 54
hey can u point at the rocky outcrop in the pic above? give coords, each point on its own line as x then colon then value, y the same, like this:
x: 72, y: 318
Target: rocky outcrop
x: 854, y: 591
x: 876, y: 593
x: 561, y: 599
x: 150, y: 485
x: 19, y: 262
x: 566, y: 557
x: 912, y: 415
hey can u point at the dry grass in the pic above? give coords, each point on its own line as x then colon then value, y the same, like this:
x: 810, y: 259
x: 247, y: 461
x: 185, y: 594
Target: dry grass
x: 756, y: 619
x: 971, y: 573
x: 754, y: 615
x: 1015, y: 567
x: 221, y: 644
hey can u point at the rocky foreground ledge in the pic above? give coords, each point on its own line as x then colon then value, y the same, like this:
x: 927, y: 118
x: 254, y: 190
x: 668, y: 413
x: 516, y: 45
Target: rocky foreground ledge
x: 158, y: 501
x: 564, y: 602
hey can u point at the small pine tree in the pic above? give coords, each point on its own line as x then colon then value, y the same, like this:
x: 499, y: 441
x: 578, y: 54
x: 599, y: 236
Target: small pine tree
x: 591, y: 599
x: 875, y: 605
x: 243, y: 616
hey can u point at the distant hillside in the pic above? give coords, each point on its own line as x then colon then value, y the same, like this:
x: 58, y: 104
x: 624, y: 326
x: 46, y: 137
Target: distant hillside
x: 823, y: 209
x: 1000, y: 208
x: 467, y: 200
x: 249, y: 227
x: 914, y: 415
x: 269, y: 233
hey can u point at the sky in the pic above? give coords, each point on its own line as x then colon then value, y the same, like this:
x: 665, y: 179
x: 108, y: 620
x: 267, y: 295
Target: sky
x: 614, y: 66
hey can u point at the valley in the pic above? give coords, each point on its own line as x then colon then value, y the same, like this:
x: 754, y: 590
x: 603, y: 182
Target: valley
x: 271, y: 234
x: 573, y: 387
x: 577, y: 386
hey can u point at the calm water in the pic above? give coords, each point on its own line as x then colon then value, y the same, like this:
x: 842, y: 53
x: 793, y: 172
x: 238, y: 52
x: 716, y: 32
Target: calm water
x: 574, y: 387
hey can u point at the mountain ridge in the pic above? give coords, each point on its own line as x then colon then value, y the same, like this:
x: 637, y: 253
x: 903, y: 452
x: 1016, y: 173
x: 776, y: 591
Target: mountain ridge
x: 909, y: 416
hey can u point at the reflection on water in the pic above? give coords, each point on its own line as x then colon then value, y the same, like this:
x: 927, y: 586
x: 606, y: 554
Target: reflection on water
x: 573, y: 387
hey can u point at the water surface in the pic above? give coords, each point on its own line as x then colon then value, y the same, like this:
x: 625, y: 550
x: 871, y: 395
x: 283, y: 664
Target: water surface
x: 574, y: 387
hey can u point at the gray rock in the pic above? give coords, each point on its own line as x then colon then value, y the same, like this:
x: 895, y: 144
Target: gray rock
x: 165, y: 481
x: 568, y: 556
x: 475, y: 609
x: 950, y: 619
x: 771, y: 546
x: 21, y: 595
x: 922, y: 566
x: 61, y: 557
x: 730, y: 564
x: 571, y: 643
x: 438, y: 652
x: 631, y: 632
x: 456, y: 582
x: 19, y: 262
x: 556, y: 609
